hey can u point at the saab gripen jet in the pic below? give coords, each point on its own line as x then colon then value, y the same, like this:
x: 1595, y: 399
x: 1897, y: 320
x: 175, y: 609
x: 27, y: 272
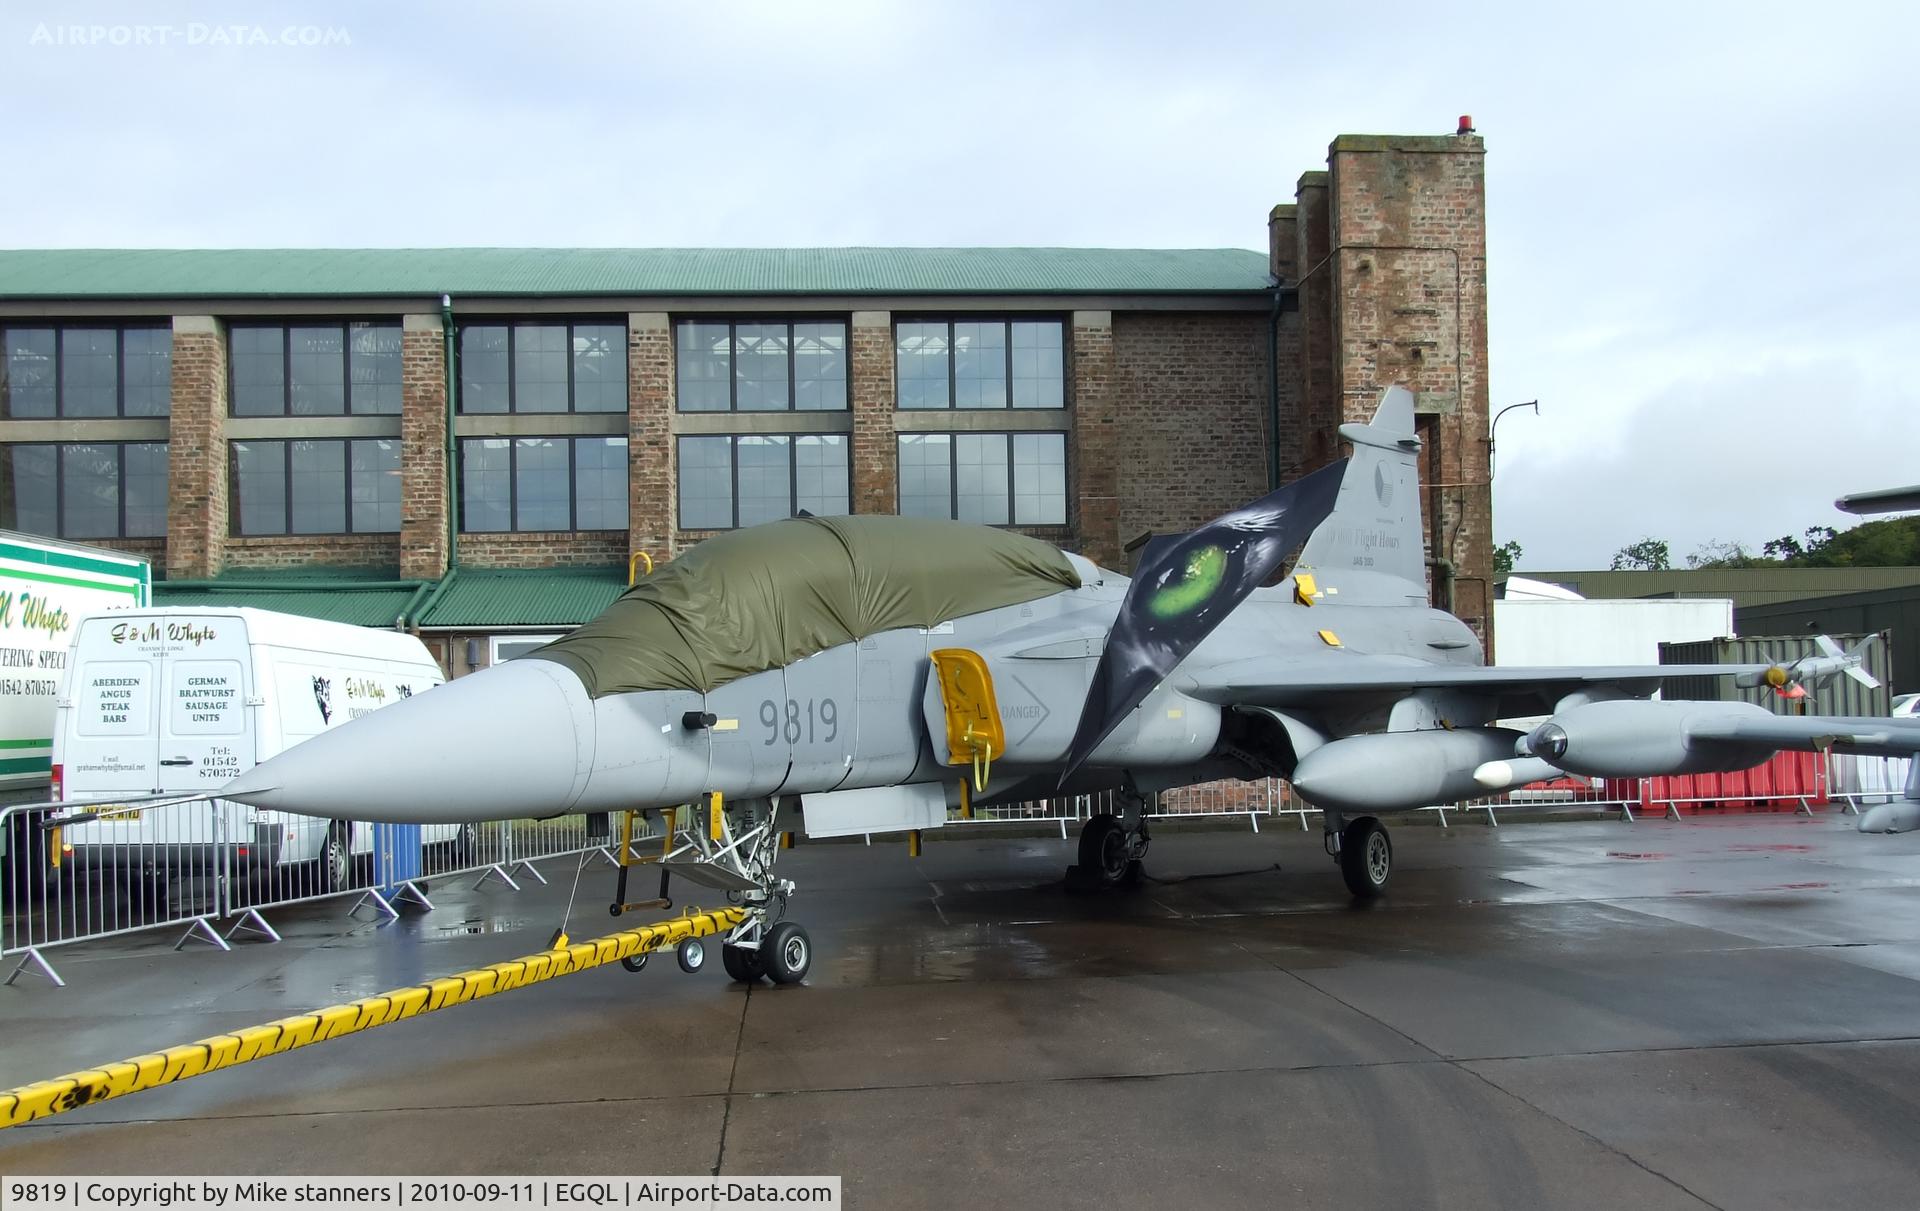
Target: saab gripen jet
x: 845, y: 675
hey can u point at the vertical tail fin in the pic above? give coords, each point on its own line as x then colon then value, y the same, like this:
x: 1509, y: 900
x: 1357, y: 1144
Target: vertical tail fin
x: 1375, y: 524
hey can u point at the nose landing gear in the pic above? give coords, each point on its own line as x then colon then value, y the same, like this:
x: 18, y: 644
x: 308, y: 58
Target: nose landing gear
x: 732, y: 848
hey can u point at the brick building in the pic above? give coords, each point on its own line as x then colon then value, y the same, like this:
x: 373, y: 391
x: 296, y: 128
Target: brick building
x: 476, y: 442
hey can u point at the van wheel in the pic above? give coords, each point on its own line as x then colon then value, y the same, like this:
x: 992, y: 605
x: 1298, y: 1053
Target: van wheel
x: 26, y: 859
x: 146, y: 893
x: 336, y: 858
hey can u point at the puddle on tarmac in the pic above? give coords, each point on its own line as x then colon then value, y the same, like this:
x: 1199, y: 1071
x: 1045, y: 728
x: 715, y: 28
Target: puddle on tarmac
x: 1772, y: 849
x: 1616, y: 853
x: 479, y: 925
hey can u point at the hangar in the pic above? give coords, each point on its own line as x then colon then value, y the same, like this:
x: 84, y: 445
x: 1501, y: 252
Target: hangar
x: 483, y: 444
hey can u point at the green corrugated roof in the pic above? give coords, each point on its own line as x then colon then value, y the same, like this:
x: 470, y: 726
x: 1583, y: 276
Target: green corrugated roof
x: 503, y: 597
x: 467, y: 272
x: 314, y: 597
x: 478, y: 597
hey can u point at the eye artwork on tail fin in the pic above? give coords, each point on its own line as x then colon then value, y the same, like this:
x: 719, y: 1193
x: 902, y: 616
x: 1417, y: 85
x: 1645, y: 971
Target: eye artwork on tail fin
x: 1184, y: 588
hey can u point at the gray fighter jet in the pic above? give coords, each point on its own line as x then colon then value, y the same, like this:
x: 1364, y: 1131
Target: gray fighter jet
x: 866, y: 674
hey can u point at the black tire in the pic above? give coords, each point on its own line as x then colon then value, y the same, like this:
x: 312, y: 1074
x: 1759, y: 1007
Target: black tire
x: 787, y: 953
x: 1366, y: 857
x: 336, y: 858
x: 692, y: 955
x: 146, y: 893
x: 743, y: 965
x: 636, y: 963
x: 28, y: 861
x: 1103, y: 850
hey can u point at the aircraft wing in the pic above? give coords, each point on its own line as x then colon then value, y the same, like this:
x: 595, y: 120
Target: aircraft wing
x: 1870, y: 736
x: 1886, y: 500
x: 1279, y: 681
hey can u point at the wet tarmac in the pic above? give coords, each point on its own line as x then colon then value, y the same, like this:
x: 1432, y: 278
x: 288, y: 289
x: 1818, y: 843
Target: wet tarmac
x: 1581, y: 1014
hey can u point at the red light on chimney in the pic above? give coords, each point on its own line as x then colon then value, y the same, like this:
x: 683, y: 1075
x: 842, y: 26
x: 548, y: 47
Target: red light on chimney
x: 1466, y: 125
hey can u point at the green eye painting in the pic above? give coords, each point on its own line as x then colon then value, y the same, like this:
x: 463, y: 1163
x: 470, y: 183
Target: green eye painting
x: 1193, y: 586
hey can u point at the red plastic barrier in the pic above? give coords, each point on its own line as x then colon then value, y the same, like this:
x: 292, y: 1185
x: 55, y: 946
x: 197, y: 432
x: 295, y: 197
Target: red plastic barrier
x: 1782, y: 784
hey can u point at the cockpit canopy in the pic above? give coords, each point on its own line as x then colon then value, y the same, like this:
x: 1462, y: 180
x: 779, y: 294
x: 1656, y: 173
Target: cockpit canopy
x: 761, y: 598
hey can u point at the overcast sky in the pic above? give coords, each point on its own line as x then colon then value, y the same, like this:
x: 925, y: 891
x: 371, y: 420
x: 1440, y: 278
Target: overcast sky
x: 1703, y: 255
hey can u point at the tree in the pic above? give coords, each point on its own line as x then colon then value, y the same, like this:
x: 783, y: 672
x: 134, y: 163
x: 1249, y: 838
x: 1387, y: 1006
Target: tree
x: 1789, y: 550
x: 1647, y: 555
x: 1892, y: 543
x: 1505, y: 556
x: 1726, y: 553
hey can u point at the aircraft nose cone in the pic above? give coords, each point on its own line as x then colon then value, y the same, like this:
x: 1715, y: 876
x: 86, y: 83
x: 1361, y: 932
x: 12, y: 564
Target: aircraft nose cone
x: 514, y: 740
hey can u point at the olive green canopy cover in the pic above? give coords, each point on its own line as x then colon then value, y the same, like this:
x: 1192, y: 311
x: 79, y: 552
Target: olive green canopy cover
x: 763, y: 597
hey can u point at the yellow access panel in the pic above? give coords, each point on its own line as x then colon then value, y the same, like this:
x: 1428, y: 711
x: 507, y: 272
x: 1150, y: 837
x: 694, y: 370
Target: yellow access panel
x: 974, y: 732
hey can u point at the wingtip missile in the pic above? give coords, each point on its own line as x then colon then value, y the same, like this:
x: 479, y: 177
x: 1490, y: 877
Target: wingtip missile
x: 1813, y: 670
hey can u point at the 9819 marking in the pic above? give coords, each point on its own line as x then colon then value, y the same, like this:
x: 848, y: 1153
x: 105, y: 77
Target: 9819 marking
x: 820, y: 715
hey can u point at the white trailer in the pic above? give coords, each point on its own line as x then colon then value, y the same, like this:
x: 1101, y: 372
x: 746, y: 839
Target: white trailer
x: 46, y: 586
x: 176, y: 700
x: 1578, y: 631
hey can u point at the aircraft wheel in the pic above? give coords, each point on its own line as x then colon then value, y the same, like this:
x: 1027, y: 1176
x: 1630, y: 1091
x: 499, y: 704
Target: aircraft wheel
x: 1104, y: 855
x: 788, y: 953
x: 1366, y: 857
x: 744, y: 965
x: 692, y: 955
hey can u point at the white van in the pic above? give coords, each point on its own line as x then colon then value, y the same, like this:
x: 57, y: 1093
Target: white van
x: 174, y: 700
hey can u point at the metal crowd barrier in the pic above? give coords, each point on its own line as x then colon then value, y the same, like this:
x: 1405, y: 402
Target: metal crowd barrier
x: 212, y: 868
x: 1858, y: 782
x: 203, y: 865
x: 1273, y: 799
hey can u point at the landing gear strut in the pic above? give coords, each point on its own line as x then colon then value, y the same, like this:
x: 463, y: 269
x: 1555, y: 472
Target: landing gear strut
x: 732, y: 848
x: 1364, y: 853
x: 1112, y: 846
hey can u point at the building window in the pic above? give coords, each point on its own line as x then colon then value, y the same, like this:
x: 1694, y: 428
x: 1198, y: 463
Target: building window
x: 727, y: 482
x: 543, y: 367
x: 993, y: 478
x: 318, y: 486
x: 543, y: 483
x: 83, y: 372
x: 86, y: 490
x: 314, y: 369
x: 980, y: 363
x: 760, y: 366
x: 512, y: 647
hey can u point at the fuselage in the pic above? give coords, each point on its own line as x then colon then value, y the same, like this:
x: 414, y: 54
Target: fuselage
x: 526, y: 739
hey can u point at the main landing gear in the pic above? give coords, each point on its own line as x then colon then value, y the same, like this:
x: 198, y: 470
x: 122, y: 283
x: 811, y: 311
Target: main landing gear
x: 732, y: 848
x: 1112, y: 846
x: 1363, y: 852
